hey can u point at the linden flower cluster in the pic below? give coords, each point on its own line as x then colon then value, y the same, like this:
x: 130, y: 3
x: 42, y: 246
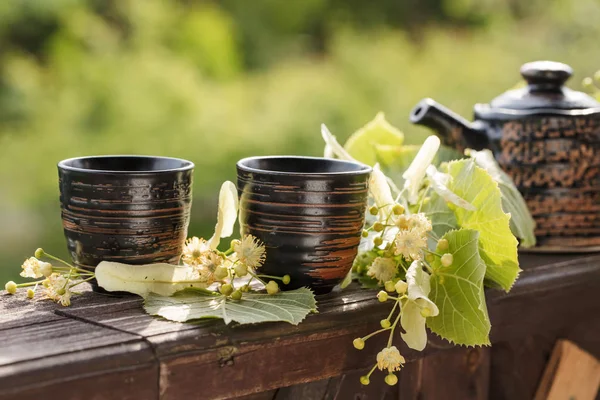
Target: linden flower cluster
x: 395, y: 250
x: 58, y: 282
x: 242, y: 260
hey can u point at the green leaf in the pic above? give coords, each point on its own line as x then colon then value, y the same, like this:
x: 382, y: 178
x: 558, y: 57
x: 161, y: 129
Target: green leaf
x: 441, y: 216
x: 458, y: 292
x: 521, y: 222
x: 361, y: 145
x: 253, y: 308
x: 497, y: 244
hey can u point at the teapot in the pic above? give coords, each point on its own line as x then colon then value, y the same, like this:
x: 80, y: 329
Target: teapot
x: 546, y: 137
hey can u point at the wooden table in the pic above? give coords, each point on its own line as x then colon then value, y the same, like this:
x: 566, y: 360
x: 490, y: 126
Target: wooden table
x: 106, y: 347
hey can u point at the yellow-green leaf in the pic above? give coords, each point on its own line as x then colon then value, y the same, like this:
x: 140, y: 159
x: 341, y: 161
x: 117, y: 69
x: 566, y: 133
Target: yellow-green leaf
x: 497, y: 244
x: 362, y: 144
x: 458, y: 292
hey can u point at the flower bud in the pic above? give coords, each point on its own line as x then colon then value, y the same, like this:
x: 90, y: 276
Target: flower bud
x: 374, y: 210
x: 401, y: 287
x: 588, y: 84
x: 364, y: 380
x: 429, y: 257
x: 45, y: 268
x: 221, y: 272
x: 39, y: 253
x: 382, y: 296
x: 61, y: 291
x: 378, y: 241
x: 597, y: 76
x: 358, y: 343
x: 30, y: 293
x: 398, y: 209
x: 240, y: 270
x: 378, y: 227
x: 442, y: 244
x: 385, y: 323
x: 389, y: 286
x: 286, y: 279
x: 237, y: 295
x: 11, y: 287
x: 272, y: 287
x: 226, y: 289
x: 365, y: 234
x: 391, y: 379
x: 447, y: 259
x: 425, y: 312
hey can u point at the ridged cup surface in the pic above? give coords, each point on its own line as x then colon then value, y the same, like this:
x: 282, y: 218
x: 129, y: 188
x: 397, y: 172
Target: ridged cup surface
x: 309, y: 212
x: 130, y: 209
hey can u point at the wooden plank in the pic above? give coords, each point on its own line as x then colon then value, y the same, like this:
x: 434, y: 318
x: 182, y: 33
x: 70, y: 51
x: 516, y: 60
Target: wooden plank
x: 571, y: 374
x: 42, y: 353
x: 517, y: 365
x: 461, y: 373
x: 550, y: 296
x: 227, y: 355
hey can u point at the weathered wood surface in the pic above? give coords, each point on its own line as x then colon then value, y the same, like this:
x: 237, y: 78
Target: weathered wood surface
x: 106, y: 347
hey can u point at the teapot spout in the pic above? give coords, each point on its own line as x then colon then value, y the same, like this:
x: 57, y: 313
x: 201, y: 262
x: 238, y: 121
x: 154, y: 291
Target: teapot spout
x: 455, y: 131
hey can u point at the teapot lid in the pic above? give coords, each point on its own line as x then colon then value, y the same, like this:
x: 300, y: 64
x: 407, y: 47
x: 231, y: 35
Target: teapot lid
x: 544, y: 90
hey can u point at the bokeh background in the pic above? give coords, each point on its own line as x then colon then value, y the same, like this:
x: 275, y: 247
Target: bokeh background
x: 216, y: 80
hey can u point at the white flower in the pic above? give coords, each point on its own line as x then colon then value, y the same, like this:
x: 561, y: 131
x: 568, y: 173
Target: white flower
x: 250, y: 251
x: 420, y: 222
x: 207, y: 266
x: 333, y: 147
x: 194, y: 250
x: 390, y: 358
x: 381, y: 192
x: 226, y: 215
x: 409, y: 243
x: 416, y: 171
x: 58, y: 290
x: 439, y: 183
x: 34, y: 268
x: 417, y: 307
x: 382, y: 269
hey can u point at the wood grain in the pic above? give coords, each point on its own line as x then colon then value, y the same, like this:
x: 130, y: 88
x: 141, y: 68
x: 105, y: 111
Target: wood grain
x: 571, y: 373
x: 108, y: 344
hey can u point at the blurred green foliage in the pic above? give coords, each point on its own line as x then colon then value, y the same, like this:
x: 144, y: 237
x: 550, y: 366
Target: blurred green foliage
x: 214, y: 81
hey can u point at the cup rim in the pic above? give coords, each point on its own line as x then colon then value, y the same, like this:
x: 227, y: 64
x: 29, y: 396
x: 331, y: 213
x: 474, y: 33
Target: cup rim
x: 64, y: 165
x: 364, y: 169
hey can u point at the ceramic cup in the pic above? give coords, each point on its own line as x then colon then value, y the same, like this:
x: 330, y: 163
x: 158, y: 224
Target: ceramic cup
x: 130, y: 209
x: 308, y: 211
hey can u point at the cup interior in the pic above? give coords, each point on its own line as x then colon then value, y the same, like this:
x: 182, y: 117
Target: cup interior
x: 126, y: 164
x: 289, y: 165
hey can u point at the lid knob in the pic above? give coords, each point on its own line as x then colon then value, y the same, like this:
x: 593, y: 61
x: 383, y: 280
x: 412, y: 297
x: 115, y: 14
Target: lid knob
x: 546, y: 74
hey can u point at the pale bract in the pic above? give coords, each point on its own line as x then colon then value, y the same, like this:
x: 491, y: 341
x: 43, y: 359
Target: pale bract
x: 439, y: 183
x: 161, y: 278
x: 415, y: 173
x: 381, y: 192
x: 417, y: 304
x: 333, y: 147
x: 226, y: 215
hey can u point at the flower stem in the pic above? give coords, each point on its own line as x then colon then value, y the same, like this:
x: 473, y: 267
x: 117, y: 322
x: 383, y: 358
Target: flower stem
x: 29, y: 283
x: 393, y: 327
x: 257, y: 277
x: 280, y: 278
x: 371, y: 371
x: 84, y: 280
x: 375, y: 333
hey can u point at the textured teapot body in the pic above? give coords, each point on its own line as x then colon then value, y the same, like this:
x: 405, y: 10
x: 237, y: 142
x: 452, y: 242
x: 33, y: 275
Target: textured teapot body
x: 552, y: 154
x: 555, y: 163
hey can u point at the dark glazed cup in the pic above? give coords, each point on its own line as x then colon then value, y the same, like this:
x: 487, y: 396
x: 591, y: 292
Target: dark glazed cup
x: 308, y: 211
x: 129, y: 209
